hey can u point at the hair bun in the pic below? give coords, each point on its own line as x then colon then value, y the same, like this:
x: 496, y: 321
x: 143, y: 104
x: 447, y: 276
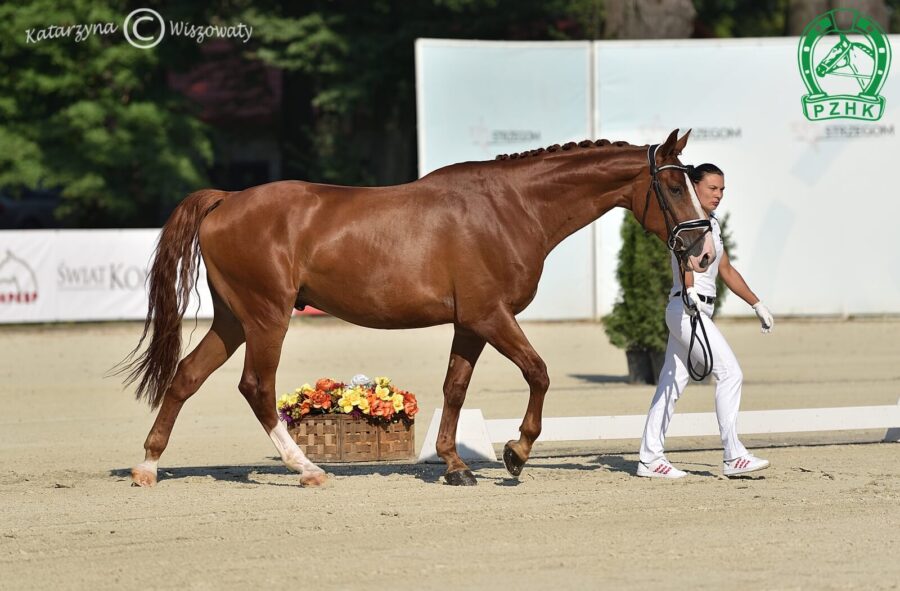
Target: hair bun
x: 696, y: 173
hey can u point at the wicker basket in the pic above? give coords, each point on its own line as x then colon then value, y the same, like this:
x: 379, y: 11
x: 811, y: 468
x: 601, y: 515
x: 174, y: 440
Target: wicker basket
x: 342, y: 438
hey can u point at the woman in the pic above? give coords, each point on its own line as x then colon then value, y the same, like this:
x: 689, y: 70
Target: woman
x: 709, y: 185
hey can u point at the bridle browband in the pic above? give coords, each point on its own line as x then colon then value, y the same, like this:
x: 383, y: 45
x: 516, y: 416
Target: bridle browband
x: 681, y: 252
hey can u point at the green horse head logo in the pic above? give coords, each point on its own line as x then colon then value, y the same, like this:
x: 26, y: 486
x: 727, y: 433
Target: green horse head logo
x: 853, y: 47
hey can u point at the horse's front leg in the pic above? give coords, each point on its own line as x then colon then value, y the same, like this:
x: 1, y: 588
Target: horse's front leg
x: 463, y: 355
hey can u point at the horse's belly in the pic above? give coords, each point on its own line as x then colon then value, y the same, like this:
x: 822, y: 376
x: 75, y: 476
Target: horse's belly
x: 398, y: 307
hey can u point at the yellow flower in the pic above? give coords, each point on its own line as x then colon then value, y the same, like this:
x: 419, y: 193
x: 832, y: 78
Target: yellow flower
x: 382, y: 381
x: 286, y: 401
x: 305, y: 388
x: 397, y: 401
x: 363, y: 405
x: 382, y: 392
x: 354, y: 396
x: 345, y: 402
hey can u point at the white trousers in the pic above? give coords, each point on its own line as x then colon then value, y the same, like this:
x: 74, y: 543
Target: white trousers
x: 674, y: 378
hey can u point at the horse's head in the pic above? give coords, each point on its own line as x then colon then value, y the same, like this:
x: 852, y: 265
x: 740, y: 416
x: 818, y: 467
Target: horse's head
x: 672, y: 210
x: 836, y: 57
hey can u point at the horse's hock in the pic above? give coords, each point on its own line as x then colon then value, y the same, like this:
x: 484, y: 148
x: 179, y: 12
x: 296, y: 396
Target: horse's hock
x: 343, y: 438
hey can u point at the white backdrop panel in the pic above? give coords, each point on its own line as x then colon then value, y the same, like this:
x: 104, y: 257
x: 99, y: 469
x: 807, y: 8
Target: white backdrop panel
x: 813, y: 210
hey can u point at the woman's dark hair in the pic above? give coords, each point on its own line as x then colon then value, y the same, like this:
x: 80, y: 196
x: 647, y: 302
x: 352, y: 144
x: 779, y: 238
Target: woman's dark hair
x: 697, y: 173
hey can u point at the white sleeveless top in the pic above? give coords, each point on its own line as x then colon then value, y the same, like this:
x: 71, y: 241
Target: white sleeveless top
x: 704, y: 282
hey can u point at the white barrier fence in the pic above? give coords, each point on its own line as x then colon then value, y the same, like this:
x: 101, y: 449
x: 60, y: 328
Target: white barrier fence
x: 476, y: 436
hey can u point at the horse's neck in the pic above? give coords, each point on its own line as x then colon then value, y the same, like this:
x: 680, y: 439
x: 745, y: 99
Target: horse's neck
x: 864, y: 48
x: 567, y: 192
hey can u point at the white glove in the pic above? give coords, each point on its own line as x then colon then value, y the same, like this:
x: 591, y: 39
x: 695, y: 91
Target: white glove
x: 693, y: 297
x: 766, y: 321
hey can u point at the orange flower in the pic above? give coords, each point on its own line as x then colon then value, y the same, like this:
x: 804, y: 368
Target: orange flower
x: 320, y: 399
x: 382, y: 408
x: 410, y: 405
x: 304, y: 408
x: 326, y: 384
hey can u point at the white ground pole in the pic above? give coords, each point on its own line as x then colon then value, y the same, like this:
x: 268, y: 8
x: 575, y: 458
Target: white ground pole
x: 472, y: 435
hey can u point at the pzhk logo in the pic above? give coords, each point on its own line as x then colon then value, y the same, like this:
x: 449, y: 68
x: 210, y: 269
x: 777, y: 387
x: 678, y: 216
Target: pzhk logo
x: 846, y: 71
x: 18, y: 283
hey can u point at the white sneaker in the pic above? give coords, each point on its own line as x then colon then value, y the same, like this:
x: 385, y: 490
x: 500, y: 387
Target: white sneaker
x: 744, y: 464
x: 660, y: 468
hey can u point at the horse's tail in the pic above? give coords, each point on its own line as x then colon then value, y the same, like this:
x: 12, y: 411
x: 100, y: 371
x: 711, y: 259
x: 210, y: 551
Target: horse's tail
x: 172, y: 277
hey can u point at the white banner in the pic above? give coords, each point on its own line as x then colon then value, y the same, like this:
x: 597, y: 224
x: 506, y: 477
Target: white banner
x: 65, y: 275
x: 25, y: 276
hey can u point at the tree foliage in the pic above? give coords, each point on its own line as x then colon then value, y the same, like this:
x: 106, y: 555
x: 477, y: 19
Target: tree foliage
x: 351, y: 68
x: 94, y: 119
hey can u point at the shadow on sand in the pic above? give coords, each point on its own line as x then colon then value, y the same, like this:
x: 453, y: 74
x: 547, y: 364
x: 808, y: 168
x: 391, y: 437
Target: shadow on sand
x: 246, y: 474
x: 599, y: 378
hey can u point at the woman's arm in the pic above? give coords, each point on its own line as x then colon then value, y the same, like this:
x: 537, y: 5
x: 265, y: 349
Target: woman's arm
x: 735, y: 281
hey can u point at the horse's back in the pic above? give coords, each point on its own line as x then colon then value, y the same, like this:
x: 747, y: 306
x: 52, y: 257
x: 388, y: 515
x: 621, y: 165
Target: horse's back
x: 388, y: 257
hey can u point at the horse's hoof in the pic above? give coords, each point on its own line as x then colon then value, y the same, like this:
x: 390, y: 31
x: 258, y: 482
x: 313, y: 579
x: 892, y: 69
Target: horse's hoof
x: 511, y: 460
x: 460, y: 478
x: 314, y: 479
x: 141, y: 477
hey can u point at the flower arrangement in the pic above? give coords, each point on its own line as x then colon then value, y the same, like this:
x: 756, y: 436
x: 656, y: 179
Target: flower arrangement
x: 376, y: 400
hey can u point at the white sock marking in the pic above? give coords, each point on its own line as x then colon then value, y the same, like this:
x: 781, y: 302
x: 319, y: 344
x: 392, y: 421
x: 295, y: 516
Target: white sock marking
x: 291, y: 454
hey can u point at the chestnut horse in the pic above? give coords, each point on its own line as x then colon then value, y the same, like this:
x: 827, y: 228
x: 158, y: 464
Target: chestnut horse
x: 464, y: 245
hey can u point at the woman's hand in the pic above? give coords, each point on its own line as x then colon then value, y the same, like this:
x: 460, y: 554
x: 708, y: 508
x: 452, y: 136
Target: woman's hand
x: 693, y: 297
x: 766, y: 321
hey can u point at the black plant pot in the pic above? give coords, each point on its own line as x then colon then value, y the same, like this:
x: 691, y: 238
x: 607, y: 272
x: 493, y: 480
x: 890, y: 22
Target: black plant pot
x: 644, y: 366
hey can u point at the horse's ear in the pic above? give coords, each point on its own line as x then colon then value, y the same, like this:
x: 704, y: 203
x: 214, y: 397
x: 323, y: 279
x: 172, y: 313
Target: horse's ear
x: 666, y: 149
x: 679, y: 146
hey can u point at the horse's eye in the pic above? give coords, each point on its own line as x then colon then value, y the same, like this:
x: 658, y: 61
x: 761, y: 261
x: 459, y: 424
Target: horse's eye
x: 675, y: 190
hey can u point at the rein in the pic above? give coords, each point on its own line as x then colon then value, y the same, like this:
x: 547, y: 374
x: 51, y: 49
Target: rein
x: 674, y: 242
x: 705, y: 348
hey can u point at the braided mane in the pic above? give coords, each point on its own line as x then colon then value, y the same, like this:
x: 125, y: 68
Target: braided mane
x: 556, y: 147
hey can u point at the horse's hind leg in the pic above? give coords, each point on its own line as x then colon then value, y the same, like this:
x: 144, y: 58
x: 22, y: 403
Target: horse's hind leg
x: 220, y: 342
x: 503, y: 332
x: 464, y: 354
x: 257, y: 384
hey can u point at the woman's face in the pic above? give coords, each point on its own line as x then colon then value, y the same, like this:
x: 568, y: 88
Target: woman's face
x: 710, y: 191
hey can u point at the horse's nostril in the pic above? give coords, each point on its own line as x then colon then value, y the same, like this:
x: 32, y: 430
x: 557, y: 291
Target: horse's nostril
x: 704, y: 261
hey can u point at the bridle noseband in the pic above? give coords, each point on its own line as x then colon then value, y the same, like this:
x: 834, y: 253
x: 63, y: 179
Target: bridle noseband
x: 677, y: 246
